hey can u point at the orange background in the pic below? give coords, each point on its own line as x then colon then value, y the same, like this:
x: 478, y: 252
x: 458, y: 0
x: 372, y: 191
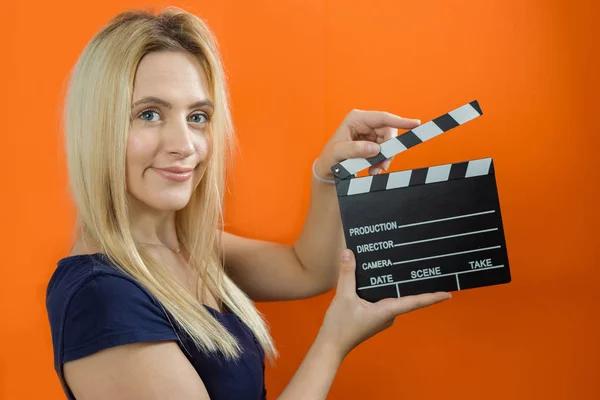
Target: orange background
x: 296, y: 68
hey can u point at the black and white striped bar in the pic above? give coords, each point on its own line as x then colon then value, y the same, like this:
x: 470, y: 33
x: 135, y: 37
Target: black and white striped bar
x: 431, y: 229
x: 409, y: 139
x: 393, y: 180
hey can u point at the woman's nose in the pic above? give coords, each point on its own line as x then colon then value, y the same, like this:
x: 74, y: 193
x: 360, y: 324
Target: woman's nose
x: 179, y: 139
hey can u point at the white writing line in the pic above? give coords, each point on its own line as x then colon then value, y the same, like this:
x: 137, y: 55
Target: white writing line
x: 433, y: 277
x: 479, y: 269
x: 457, y: 282
x: 445, y: 237
x: 446, y: 255
x: 446, y: 219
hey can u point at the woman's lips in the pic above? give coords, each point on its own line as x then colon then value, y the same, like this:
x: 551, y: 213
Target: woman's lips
x: 175, y: 176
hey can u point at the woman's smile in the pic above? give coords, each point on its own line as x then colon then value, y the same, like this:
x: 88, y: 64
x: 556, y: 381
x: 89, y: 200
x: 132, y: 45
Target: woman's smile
x: 178, y: 174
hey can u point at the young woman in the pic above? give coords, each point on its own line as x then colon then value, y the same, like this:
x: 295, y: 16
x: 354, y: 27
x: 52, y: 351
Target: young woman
x: 155, y: 301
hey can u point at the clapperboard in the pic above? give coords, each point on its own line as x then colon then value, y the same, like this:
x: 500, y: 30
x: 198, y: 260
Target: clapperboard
x: 437, y: 228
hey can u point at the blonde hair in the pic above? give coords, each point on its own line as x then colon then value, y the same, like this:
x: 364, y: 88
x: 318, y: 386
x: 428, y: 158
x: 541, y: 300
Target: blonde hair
x: 97, y: 118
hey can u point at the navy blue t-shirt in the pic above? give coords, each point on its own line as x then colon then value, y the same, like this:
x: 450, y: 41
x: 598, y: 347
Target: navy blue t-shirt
x: 93, y: 306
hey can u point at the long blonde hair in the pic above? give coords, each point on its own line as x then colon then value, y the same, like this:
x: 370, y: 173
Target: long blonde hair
x: 96, y: 121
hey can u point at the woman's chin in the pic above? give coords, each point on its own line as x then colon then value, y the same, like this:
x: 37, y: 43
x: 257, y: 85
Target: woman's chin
x: 171, y: 203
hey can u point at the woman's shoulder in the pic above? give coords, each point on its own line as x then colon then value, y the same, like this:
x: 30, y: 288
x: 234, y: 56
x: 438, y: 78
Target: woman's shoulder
x: 91, y: 277
x: 75, y: 271
x: 92, y: 305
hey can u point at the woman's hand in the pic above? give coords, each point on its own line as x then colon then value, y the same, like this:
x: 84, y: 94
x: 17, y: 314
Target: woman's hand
x: 359, y: 136
x: 351, y: 320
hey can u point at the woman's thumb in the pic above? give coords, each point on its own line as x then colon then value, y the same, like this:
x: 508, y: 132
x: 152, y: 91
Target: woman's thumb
x: 347, y: 280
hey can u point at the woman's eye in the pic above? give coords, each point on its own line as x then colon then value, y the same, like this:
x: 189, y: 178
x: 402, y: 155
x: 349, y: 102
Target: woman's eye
x: 199, y: 118
x: 149, y: 115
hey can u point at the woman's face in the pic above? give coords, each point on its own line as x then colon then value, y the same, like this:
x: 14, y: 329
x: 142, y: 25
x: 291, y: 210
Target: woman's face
x: 169, y: 142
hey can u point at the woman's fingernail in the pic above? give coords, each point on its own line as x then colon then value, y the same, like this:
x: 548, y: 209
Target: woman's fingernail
x: 372, y: 147
x: 346, y: 255
x: 376, y: 171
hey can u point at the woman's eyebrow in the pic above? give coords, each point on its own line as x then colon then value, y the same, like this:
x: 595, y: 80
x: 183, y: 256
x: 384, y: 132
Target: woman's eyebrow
x: 156, y: 100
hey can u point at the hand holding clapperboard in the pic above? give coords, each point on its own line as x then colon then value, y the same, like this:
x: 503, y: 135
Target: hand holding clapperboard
x: 430, y: 229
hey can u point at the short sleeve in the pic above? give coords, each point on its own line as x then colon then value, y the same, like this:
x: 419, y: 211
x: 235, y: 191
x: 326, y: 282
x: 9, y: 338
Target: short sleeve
x: 109, y: 311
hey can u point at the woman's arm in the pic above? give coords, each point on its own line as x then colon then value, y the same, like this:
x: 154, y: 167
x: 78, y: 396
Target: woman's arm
x: 349, y: 321
x: 270, y: 271
x: 315, y: 375
x: 150, y: 370
x: 322, y: 237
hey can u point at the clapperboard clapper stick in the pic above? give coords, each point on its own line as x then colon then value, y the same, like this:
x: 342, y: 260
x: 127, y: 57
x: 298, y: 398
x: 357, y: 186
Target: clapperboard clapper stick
x: 437, y: 228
